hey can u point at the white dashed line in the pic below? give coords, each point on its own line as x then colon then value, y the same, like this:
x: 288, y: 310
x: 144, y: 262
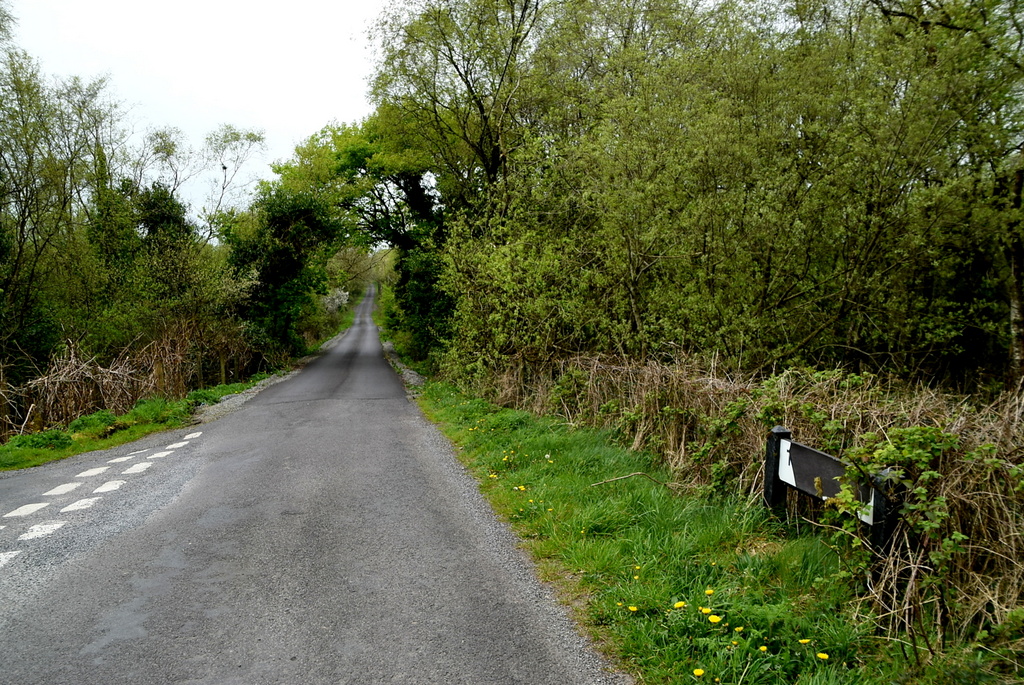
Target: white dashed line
x: 92, y: 472
x: 27, y: 509
x: 132, y: 454
x: 7, y: 556
x: 41, y: 530
x: 62, y: 489
x: 81, y: 504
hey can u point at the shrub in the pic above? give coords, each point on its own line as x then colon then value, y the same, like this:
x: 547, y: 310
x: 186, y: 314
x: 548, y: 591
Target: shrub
x: 53, y: 439
x: 206, y: 396
x: 95, y: 423
x: 157, y: 410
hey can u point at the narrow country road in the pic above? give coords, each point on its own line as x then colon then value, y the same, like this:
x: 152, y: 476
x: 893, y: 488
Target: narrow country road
x: 321, y: 533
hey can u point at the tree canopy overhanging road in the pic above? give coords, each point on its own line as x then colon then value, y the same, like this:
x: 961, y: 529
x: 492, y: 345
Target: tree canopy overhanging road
x: 322, y: 533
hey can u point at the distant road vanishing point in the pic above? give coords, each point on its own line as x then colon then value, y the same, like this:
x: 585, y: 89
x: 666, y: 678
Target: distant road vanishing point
x: 321, y: 533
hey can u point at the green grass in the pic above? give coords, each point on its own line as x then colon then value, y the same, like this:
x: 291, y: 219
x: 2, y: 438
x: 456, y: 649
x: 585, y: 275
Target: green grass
x: 103, y: 430
x: 639, y: 561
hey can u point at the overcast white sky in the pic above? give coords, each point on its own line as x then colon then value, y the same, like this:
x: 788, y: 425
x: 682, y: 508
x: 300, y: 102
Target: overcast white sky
x: 287, y: 67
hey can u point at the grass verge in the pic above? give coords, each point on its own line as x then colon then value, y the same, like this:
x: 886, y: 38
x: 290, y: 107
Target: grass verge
x: 677, y: 587
x: 102, y: 429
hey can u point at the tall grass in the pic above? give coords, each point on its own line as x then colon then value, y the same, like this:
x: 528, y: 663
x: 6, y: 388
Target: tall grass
x: 678, y: 581
x: 956, y: 572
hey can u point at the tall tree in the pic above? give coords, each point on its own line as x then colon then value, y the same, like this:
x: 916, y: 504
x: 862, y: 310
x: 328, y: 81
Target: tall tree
x: 281, y: 250
x: 454, y: 72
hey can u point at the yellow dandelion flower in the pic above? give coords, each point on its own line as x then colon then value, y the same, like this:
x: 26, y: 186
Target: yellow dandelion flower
x: 636, y: 577
x: 738, y: 629
x: 803, y: 642
x: 709, y: 592
x: 763, y: 648
x: 679, y: 605
x: 618, y: 604
x: 735, y: 643
x: 698, y: 672
x: 633, y: 608
x: 822, y: 655
x: 705, y: 610
x: 714, y: 619
x: 637, y: 568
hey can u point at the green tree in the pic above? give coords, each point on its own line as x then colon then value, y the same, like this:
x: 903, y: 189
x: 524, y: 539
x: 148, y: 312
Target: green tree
x: 451, y: 78
x: 810, y: 182
x: 281, y: 250
x: 49, y: 137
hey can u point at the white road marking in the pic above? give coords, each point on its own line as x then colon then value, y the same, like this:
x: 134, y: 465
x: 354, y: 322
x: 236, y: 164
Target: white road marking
x: 159, y: 455
x: 121, y: 459
x: 138, y: 468
x: 176, y: 445
x: 7, y: 556
x: 62, y: 489
x: 109, y: 486
x: 140, y: 451
x: 192, y: 436
x: 92, y: 472
x: 28, y: 509
x: 41, y: 530
x: 81, y: 504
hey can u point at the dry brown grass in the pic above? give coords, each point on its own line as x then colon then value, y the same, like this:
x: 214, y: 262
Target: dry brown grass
x: 75, y: 385
x: 184, y: 355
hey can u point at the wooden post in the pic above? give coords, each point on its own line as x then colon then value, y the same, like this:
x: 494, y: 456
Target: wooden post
x: 774, y: 488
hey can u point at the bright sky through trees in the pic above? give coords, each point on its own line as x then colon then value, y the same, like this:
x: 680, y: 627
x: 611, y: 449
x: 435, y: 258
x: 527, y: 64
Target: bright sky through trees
x: 287, y: 68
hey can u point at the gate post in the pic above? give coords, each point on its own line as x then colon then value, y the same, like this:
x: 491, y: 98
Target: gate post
x: 774, y: 488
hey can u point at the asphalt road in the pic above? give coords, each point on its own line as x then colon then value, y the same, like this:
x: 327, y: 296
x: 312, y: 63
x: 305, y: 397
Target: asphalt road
x: 321, y: 533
